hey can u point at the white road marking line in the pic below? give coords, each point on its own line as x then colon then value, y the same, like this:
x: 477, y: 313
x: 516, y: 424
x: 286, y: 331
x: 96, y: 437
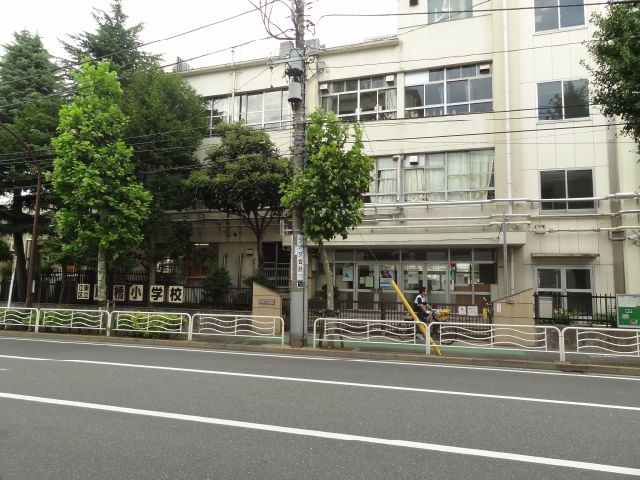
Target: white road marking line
x: 342, y: 384
x: 336, y: 436
x: 335, y: 359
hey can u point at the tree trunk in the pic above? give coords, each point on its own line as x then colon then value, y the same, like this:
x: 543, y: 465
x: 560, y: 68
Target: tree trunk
x: 102, y: 275
x: 328, y: 274
x: 260, y: 253
x: 21, y: 267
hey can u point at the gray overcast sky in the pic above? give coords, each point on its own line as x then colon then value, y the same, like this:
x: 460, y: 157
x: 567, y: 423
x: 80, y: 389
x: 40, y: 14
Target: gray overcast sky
x: 54, y: 20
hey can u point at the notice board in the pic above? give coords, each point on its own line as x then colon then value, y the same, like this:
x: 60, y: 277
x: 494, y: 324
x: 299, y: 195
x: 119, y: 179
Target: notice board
x: 628, y: 310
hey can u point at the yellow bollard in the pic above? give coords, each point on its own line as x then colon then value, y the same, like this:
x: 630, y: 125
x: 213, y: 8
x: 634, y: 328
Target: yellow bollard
x: 415, y: 317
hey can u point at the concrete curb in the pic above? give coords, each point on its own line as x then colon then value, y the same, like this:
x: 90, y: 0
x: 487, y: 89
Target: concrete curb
x: 601, y: 369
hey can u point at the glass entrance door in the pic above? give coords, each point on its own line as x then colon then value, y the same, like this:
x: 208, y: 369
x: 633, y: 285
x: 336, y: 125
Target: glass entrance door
x: 366, y: 286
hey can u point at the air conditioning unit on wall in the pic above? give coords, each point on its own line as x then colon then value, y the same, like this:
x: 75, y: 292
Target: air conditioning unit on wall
x: 617, y: 235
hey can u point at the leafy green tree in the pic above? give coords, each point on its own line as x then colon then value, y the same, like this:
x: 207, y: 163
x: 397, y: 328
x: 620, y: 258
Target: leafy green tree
x: 329, y: 191
x: 243, y: 178
x: 29, y: 107
x: 102, y: 205
x: 113, y: 41
x: 615, y: 50
x: 216, y: 284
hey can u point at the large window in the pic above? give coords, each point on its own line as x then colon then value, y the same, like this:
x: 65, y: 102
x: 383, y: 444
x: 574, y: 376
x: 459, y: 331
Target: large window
x: 556, y: 14
x: 569, y: 288
x: 566, y: 184
x: 449, y: 176
x: 449, y: 91
x: 446, y: 10
x: 269, y: 110
x: 371, y: 98
x: 563, y: 99
x: 384, y: 182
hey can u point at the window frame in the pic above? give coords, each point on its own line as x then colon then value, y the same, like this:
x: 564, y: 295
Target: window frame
x: 448, y: 18
x: 559, y: 17
x: 378, y: 113
x: 567, y: 209
x: 446, y: 80
x: 240, y: 104
x: 564, y: 107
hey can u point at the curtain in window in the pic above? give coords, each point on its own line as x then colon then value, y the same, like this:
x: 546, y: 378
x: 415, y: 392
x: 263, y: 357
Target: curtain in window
x: 414, y: 182
x: 481, y: 167
x: 390, y: 99
x: 386, y: 184
x: 469, y: 174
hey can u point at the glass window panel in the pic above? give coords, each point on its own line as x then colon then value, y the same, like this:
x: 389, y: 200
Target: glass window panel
x: 469, y: 71
x: 546, y: 14
x: 481, y: 107
x: 221, y: 106
x: 436, y: 75
x: 435, y: 160
x: 434, y: 94
x: 344, y: 276
x: 348, y: 103
x: 571, y: 16
x: 481, y: 88
x: 365, y: 83
x: 578, y: 278
x: 576, y: 98
x: 458, y: 109
x: 388, y: 99
x: 484, y: 255
x: 418, y: 113
x: 453, y: 73
x: 437, y: 10
x: 351, y: 85
x: 330, y: 104
x: 485, y: 273
x: 254, y: 102
x: 337, y: 87
x: 271, y: 116
x: 436, y: 256
x: 344, y: 254
x: 550, y: 101
x: 580, y: 185
x: 457, y: 92
x: 377, y: 82
x: 368, y: 101
x: 273, y: 100
x: 461, y: 255
x: 460, y: 9
x: 434, y: 112
x: 549, y: 278
x: 436, y: 278
x: 254, y: 118
x: 412, y: 276
x: 552, y: 185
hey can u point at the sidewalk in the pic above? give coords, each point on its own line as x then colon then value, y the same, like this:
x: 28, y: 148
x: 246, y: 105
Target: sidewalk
x: 628, y: 366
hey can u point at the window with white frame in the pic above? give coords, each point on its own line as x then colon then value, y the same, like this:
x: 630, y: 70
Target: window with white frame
x: 557, y: 14
x: 466, y: 175
x: 449, y: 91
x: 371, y: 98
x: 269, y: 109
x: 569, y: 287
x: 566, y: 184
x: 384, y: 182
x: 563, y: 100
x: 446, y: 10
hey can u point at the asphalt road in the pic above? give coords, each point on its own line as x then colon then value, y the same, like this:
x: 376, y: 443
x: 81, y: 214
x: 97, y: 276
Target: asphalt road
x: 81, y: 410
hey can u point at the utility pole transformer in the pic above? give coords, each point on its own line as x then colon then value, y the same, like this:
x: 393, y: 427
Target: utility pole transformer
x: 296, y: 71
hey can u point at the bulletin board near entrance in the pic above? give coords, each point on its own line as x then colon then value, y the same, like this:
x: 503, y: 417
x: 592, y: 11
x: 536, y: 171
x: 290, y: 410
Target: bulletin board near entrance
x: 628, y: 311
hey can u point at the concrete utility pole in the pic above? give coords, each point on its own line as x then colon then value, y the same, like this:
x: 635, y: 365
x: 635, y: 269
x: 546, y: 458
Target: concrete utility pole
x: 36, y: 215
x: 296, y: 70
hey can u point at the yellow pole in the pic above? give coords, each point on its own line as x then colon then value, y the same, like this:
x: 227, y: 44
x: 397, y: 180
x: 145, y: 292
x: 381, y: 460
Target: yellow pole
x: 415, y: 317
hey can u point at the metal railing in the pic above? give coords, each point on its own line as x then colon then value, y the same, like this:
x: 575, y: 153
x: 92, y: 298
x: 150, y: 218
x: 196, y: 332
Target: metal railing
x: 540, y: 338
x: 150, y: 322
x: 364, y: 331
x: 254, y: 326
x: 600, y: 341
x: 18, y: 317
x: 57, y: 318
x: 575, y: 308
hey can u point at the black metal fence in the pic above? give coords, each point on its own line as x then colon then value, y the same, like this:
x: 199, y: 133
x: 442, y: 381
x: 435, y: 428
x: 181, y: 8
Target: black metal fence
x: 394, y: 311
x: 579, y: 308
x: 135, y: 290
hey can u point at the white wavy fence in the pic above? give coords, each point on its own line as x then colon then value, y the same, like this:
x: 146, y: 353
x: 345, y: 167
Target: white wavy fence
x: 237, y: 325
x: 150, y: 322
x: 57, y: 318
x: 539, y: 338
x: 23, y: 317
x: 368, y: 331
x: 601, y: 341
